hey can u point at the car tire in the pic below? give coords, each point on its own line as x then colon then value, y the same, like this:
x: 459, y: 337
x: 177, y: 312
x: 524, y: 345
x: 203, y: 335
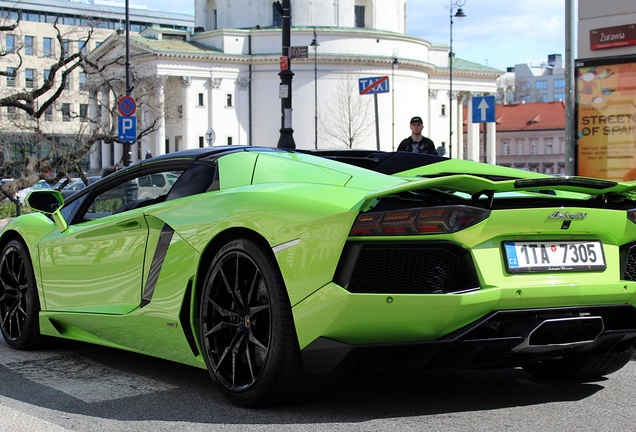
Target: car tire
x: 19, y: 302
x: 578, y: 367
x: 246, y: 327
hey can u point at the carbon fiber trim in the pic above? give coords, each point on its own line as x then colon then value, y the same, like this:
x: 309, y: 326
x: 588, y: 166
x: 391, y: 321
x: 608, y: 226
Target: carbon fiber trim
x: 157, y: 263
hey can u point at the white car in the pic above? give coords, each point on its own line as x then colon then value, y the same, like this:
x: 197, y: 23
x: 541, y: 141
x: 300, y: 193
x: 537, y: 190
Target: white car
x: 22, y: 194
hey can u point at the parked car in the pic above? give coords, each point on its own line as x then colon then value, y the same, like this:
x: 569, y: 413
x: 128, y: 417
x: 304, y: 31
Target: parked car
x: 77, y: 184
x: 273, y: 268
x: 42, y: 184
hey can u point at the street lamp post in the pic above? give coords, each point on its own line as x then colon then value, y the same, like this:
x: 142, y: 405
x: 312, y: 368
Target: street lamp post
x: 126, y: 157
x: 314, y: 43
x: 286, y: 139
x: 394, y: 65
x: 459, y: 14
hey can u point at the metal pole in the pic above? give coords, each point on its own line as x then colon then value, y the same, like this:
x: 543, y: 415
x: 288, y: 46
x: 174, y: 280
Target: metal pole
x: 570, y: 121
x: 315, y: 44
x: 286, y: 139
x: 377, y: 122
x: 450, y: 87
x: 127, y: 156
x: 394, y: 65
x: 451, y: 56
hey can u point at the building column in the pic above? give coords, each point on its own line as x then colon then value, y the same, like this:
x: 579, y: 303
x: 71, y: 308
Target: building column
x: 460, y: 125
x: 93, y: 118
x: 491, y: 142
x: 473, y: 134
x: 242, y: 84
x: 159, y: 145
x: 215, y: 84
x: 186, y: 142
x: 107, y: 160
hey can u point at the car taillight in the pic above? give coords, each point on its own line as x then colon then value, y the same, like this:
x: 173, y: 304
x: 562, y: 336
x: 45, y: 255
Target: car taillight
x: 631, y: 215
x: 431, y: 220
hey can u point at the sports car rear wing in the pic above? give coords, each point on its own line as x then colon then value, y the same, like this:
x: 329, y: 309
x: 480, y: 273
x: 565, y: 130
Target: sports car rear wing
x: 473, y: 185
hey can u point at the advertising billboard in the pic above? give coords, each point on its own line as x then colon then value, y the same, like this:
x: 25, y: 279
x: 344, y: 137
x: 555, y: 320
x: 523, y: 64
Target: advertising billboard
x: 606, y: 118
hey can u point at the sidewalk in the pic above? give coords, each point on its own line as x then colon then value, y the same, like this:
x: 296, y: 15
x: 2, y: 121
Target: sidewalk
x: 3, y: 222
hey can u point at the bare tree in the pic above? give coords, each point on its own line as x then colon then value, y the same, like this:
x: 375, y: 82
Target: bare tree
x: 32, y: 148
x: 505, y: 89
x: 348, y: 120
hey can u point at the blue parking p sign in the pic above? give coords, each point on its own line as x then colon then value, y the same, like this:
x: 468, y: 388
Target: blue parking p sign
x: 127, y: 128
x: 483, y: 109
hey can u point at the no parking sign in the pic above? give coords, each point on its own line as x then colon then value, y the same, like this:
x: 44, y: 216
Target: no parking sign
x: 127, y: 123
x: 127, y: 106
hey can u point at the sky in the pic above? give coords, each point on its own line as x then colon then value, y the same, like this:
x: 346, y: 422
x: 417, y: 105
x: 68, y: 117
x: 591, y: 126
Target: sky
x: 495, y: 33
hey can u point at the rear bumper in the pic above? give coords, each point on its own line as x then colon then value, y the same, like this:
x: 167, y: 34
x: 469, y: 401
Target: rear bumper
x: 501, y: 339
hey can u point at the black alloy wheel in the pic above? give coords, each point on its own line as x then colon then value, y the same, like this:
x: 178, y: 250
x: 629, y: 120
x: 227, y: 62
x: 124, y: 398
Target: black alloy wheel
x: 246, y: 327
x: 19, y: 303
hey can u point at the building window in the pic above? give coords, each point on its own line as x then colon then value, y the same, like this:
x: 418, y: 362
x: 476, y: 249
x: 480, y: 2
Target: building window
x: 549, y: 148
x: 229, y: 140
x: 66, y: 46
x: 559, y: 96
x: 180, y: 111
x: 520, y: 147
x: 29, y: 45
x: 277, y: 20
x: 29, y: 78
x: 443, y: 110
x: 533, y: 147
x: 10, y: 43
x: 525, y: 86
x: 559, y: 84
x: 47, y: 47
x: 201, y: 142
x: 541, y: 98
x: 82, y: 80
x: 66, y: 112
x: 200, y: 100
x: 359, y: 16
x: 11, y: 72
x: 228, y: 100
x: 83, y: 47
x: 83, y: 112
x: 48, y: 113
x: 541, y: 85
x: 505, y: 147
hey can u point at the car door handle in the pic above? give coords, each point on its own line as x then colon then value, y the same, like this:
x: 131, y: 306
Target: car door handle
x: 129, y: 225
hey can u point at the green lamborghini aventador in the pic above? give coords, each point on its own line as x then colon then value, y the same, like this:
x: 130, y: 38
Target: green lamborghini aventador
x: 273, y: 268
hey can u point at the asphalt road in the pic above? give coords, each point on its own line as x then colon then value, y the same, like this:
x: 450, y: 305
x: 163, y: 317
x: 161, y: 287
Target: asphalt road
x: 78, y: 387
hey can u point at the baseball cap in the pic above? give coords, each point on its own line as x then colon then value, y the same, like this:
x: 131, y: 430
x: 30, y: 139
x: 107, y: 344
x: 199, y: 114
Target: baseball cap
x: 416, y: 120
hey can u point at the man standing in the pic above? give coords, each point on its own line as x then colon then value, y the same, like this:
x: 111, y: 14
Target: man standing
x: 417, y: 143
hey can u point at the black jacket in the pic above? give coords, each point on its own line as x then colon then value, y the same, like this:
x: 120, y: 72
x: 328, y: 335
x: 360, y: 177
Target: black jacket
x: 426, y: 146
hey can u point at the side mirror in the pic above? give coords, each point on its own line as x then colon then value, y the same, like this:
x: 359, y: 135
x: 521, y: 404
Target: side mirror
x: 48, y: 202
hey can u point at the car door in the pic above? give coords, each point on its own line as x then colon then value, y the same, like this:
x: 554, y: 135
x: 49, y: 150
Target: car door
x: 95, y: 266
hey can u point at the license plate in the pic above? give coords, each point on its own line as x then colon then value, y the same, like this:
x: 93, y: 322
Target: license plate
x: 560, y: 256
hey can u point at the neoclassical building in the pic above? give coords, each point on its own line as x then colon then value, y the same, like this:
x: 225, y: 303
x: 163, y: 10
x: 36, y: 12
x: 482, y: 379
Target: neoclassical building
x: 220, y: 84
